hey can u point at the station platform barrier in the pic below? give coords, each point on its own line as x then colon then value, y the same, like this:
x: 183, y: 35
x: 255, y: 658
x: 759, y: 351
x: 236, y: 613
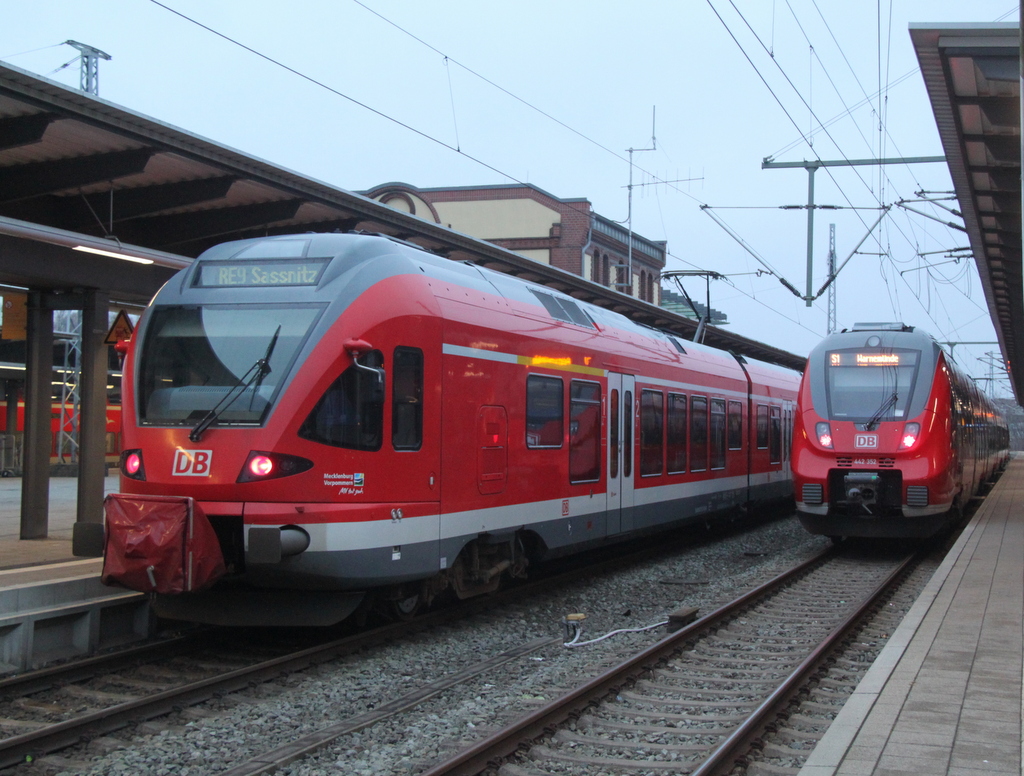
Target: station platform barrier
x: 52, y: 605
x: 944, y: 697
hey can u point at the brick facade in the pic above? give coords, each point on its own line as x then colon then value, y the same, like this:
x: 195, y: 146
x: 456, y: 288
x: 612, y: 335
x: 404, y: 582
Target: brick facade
x: 528, y: 220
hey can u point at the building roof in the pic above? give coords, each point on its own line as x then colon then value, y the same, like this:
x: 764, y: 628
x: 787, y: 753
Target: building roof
x: 74, y: 166
x: 972, y: 74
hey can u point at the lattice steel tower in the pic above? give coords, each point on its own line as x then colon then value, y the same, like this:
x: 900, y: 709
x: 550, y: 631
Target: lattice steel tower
x: 91, y: 56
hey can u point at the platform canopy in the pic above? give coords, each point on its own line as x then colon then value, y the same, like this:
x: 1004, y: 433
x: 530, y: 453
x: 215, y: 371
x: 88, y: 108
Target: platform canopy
x: 973, y: 76
x: 73, y: 165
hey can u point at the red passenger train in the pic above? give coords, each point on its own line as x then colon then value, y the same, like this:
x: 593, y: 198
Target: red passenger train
x: 891, y: 439
x: 351, y: 413
x: 63, y: 414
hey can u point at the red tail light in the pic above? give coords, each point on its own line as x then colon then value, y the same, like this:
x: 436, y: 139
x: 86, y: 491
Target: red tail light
x: 131, y: 465
x: 911, y: 431
x: 262, y: 465
x: 824, y: 434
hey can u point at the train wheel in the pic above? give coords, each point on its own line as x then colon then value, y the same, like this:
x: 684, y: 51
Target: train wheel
x: 406, y: 608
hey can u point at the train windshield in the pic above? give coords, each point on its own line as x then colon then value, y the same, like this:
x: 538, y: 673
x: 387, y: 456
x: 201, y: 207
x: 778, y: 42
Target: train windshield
x: 870, y: 385
x: 228, y: 358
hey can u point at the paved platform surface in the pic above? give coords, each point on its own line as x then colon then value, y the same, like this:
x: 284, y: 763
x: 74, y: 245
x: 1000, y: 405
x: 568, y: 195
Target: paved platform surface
x: 945, y: 694
x: 16, y: 553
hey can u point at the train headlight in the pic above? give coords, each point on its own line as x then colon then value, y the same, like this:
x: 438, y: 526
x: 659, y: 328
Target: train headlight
x: 824, y: 434
x: 911, y: 431
x: 131, y: 465
x: 262, y: 465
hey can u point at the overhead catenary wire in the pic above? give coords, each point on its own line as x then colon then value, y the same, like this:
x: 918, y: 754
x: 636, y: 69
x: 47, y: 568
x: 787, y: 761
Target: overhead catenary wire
x: 454, y: 148
x: 805, y: 102
x: 448, y: 58
x: 338, y: 92
x: 33, y: 51
x: 809, y: 108
x: 778, y: 65
x: 457, y: 147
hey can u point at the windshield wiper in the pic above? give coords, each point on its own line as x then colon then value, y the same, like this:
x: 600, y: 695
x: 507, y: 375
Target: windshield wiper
x: 258, y: 371
x: 886, y: 405
x: 264, y: 366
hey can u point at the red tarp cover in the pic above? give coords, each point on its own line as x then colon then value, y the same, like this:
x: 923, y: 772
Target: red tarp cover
x: 159, y: 544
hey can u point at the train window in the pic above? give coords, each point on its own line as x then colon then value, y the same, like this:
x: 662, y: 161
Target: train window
x: 584, y: 431
x: 787, y: 434
x: 762, y: 426
x: 652, y: 450
x: 775, y: 435
x: 718, y: 433
x: 627, y: 434
x: 675, y: 421
x: 870, y: 384
x: 613, y: 436
x: 544, y: 412
x: 698, y: 433
x: 350, y: 414
x: 407, y: 399
x: 194, y: 358
x: 735, y: 424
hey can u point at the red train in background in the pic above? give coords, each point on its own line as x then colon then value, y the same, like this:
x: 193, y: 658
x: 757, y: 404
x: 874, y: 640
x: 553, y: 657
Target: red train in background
x: 57, y: 413
x: 891, y: 439
x: 350, y: 413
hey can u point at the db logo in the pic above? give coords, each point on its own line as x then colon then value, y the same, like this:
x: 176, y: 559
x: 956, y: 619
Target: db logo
x: 565, y: 507
x: 194, y: 463
x: 866, y: 440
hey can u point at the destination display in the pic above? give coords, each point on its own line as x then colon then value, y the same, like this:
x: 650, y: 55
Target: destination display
x: 852, y: 358
x: 256, y: 274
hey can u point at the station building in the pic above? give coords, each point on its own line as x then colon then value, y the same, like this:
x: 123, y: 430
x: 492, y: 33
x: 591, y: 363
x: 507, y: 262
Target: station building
x: 562, y: 233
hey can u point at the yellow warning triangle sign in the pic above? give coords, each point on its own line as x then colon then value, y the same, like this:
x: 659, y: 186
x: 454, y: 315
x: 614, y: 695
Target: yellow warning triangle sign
x: 121, y: 330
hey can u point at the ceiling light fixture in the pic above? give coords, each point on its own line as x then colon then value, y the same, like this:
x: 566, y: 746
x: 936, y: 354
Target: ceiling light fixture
x: 112, y: 254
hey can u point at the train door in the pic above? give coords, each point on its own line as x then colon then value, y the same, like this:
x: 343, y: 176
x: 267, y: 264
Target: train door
x: 621, y: 391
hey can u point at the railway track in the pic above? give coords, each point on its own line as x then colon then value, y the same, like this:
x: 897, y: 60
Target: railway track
x: 689, y: 704
x: 693, y: 702
x: 47, y: 710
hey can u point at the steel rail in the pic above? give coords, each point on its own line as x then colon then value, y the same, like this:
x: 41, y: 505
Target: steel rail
x: 725, y: 755
x: 270, y: 761
x: 42, y: 679
x: 33, y: 744
x: 476, y: 758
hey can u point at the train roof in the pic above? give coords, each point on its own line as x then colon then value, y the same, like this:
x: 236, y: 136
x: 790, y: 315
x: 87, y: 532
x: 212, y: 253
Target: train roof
x: 348, y: 251
x: 878, y: 335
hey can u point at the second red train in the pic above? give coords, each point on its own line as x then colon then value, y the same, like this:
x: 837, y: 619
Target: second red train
x: 891, y: 438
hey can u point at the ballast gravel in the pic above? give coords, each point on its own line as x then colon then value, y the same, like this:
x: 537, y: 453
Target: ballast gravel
x: 707, y: 572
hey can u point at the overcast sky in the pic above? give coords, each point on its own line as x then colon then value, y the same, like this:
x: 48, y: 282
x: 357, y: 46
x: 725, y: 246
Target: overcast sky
x: 553, y: 93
